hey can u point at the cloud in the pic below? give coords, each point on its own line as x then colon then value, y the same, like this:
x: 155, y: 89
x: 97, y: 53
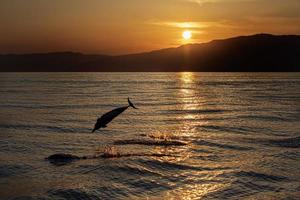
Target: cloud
x: 203, y: 1
x: 193, y: 24
x: 183, y: 25
x: 200, y: 2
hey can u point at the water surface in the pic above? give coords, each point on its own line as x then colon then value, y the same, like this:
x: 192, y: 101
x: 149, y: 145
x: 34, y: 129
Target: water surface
x: 240, y: 133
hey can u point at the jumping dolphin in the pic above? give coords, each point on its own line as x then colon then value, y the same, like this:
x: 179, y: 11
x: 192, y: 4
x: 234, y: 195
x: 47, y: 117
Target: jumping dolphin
x: 108, y: 117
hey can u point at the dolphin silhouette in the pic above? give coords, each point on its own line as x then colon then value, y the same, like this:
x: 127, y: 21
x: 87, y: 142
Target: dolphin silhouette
x: 108, y: 117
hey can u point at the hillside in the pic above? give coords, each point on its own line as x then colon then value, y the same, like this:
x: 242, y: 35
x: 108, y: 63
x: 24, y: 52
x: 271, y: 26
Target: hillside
x: 261, y: 52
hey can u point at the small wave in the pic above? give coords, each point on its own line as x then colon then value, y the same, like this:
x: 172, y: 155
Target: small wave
x: 72, y: 194
x: 259, y: 176
x: 246, y: 184
x: 63, y: 159
x: 62, y: 106
x: 224, y: 146
x: 292, y: 155
x: 225, y: 129
x: 150, y: 142
x: 287, y: 142
x: 11, y: 170
x: 194, y: 111
x: 119, y: 155
x: 176, y: 166
x: 242, y: 190
x: 266, y: 118
x: 241, y: 130
x: 128, y: 169
x: 48, y: 128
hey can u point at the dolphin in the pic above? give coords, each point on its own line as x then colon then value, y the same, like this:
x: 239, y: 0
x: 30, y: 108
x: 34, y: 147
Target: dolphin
x: 108, y: 117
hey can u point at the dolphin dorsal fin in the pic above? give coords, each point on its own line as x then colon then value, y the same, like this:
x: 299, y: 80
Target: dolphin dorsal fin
x: 131, y: 104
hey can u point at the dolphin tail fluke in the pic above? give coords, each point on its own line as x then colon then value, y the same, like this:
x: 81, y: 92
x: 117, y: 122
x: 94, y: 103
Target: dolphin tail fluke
x: 131, y: 104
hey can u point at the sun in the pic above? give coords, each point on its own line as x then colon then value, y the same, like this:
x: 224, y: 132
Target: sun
x: 187, y: 35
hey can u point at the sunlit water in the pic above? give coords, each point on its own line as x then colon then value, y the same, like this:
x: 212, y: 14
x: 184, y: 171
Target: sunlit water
x: 241, y: 132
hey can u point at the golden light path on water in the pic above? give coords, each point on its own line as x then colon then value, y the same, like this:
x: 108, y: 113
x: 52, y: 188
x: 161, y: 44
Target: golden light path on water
x: 190, y: 101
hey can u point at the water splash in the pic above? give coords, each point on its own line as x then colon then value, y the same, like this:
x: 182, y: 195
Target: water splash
x: 110, y: 152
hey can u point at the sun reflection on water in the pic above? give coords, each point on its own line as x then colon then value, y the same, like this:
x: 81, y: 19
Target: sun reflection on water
x: 195, y: 191
x: 187, y: 93
x: 187, y: 77
x: 190, y: 103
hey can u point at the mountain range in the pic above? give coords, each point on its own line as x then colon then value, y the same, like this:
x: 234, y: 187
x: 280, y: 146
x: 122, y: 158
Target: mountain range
x: 254, y: 53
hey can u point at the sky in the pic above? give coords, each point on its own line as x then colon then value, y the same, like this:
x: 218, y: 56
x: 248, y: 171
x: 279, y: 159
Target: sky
x: 129, y: 26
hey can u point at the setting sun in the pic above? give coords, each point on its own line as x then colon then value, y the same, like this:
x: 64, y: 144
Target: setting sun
x: 187, y: 35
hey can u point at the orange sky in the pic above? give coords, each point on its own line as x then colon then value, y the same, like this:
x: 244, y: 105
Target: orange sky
x: 129, y: 26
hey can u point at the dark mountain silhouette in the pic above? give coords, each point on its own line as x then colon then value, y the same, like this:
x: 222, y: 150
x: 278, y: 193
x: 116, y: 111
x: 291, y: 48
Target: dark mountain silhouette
x: 261, y: 52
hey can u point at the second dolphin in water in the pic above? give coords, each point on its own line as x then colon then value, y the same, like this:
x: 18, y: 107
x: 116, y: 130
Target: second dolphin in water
x: 108, y: 117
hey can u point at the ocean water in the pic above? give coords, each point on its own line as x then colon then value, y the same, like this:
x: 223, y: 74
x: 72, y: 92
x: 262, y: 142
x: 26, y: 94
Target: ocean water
x: 194, y: 136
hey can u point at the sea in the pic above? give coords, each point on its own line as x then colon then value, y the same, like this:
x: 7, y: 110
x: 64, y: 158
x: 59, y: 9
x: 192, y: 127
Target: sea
x: 193, y: 136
